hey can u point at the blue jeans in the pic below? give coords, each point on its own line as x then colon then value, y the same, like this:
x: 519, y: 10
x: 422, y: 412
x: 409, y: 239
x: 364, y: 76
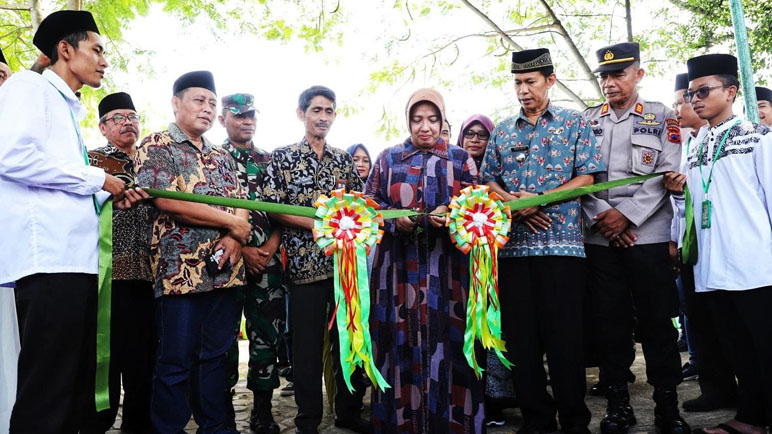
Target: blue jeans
x: 194, y: 332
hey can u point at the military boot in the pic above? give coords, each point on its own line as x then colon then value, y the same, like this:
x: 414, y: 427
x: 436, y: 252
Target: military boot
x: 666, y: 416
x: 619, y: 414
x: 261, y: 419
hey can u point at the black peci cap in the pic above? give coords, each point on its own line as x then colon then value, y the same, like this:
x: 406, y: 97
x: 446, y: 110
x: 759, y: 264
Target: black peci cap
x: 203, y: 79
x: 681, y: 82
x: 60, y: 24
x: 531, y: 60
x: 618, y: 56
x: 712, y: 64
x: 115, y: 101
x: 2, y: 58
x: 763, y: 94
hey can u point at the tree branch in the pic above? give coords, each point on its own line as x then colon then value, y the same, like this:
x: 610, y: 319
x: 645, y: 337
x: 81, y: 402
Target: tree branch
x: 580, y: 59
x: 576, y: 98
x: 34, y: 13
x: 12, y: 7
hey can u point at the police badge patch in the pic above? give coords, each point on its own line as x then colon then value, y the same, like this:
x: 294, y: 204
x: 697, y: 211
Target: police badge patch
x: 647, y: 158
x: 673, y: 131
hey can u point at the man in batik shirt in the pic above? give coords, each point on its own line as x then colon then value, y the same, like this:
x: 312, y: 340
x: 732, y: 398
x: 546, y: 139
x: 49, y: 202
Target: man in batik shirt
x: 262, y: 299
x: 132, y: 330
x: 196, y: 261
x: 298, y: 175
x: 543, y: 149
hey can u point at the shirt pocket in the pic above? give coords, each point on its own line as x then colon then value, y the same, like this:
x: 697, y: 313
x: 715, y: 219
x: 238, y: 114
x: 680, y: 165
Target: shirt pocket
x: 645, y: 151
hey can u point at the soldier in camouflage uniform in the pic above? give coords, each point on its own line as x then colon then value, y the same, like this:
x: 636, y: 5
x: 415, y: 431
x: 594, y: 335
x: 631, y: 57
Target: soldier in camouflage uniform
x: 262, y: 299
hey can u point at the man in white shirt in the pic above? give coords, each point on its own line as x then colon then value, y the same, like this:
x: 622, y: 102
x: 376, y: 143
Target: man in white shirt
x: 50, y: 223
x: 729, y: 173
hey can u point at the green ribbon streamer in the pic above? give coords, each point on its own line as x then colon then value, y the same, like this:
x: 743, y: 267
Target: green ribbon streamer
x: 689, y: 245
x: 104, y: 301
x: 271, y: 207
x: 559, y: 196
x: 310, y: 212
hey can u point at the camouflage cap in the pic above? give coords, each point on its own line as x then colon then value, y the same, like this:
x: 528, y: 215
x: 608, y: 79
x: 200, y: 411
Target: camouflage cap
x: 239, y: 103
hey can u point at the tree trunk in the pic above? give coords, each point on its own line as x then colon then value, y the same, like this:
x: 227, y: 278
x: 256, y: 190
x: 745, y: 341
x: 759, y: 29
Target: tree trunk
x: 629, y: 19
x: 74, y: 4
x: 35, y: 15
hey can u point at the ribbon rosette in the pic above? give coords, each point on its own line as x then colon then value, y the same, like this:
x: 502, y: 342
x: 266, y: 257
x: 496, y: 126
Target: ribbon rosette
x: 347, y: 226
x: 479, y: 223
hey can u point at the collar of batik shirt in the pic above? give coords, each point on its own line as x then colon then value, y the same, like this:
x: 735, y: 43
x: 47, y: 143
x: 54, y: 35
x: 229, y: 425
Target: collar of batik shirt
x: 440, y: 149
x: 180, y: 137
x: 307, y: 150
x: 521, y: 117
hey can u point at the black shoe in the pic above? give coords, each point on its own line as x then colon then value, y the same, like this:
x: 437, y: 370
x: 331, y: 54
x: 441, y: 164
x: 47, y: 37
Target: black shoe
x: 285, y: 371
x: 704, y: 403
x: 666, y: 416
x: 287, y: 390
x: 689, y: 372
x: 619, y: 414
x: 533, y: 429
x: 261, y: 419
x: 360, y: 426
x: 598, y: 389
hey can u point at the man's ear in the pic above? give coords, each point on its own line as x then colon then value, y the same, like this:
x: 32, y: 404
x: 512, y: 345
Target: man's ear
x: 301, y: 114
x: 103, y: 129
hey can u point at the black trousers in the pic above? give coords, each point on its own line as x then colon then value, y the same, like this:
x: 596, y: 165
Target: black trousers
x: 132, y: 355
x: 742, y: 321
x: 309, y: 312
x: 541, y: 309
x: 716, y: 376
x: 57, y: 327
x: 634, y: 288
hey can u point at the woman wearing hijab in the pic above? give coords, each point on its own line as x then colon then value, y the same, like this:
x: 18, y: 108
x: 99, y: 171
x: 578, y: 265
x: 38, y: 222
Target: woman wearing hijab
x: 361, y: 159
x: 420, y: 284
x: 474, y: 135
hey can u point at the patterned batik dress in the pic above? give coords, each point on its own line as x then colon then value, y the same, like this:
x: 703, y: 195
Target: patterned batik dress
x: 419, y: 288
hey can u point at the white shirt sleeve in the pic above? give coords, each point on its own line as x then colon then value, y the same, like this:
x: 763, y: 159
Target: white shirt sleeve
x: 23, y: 156
x: 762, y: 159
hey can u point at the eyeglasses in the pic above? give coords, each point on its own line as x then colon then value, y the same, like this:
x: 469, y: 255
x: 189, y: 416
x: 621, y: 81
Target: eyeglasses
x: 119, y: 119
x: 483, y: 135
x: 701, y: 93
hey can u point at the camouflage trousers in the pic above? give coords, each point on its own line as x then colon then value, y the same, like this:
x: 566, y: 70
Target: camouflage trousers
x: 263, y: 307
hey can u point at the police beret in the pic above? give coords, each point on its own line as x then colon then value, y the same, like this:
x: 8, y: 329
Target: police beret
x: 60, y: 24
x: 239, y: 103
x: 531, y: 60
x: 763, y: 94
x: 681, y: 82
x: 2, y: 58
x: 115, y: 101
x: 618, y: 56
x: 711, y: 64
x: 203, y: 79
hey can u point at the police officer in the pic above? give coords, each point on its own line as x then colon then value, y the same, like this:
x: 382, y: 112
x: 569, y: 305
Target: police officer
x: 627, y: 230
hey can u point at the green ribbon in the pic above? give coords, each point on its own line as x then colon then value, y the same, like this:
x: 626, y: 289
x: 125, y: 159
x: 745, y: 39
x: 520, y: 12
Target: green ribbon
x: 689, y: 245
x: 310, y: 212
x: 102, y: 386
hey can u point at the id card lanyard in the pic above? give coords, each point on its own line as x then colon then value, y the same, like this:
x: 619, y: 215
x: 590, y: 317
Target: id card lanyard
x: 706, y: 204
x: 75, y: 125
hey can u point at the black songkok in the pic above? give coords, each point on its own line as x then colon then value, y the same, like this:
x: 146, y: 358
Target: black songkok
x: 681, y: 82
x: 60, y: 24
x: 711, y: 64
x: 532, y: 60
x: 763, y: 94
x: 203, y: 79
x: 115, y: 101
x: 618, y: 56
x: 2, y: 58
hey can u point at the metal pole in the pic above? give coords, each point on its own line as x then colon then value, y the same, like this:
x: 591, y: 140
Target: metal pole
x: 744, y: 59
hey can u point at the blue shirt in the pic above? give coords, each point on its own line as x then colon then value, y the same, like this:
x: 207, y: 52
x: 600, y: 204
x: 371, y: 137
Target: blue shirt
x: 522, y: 156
